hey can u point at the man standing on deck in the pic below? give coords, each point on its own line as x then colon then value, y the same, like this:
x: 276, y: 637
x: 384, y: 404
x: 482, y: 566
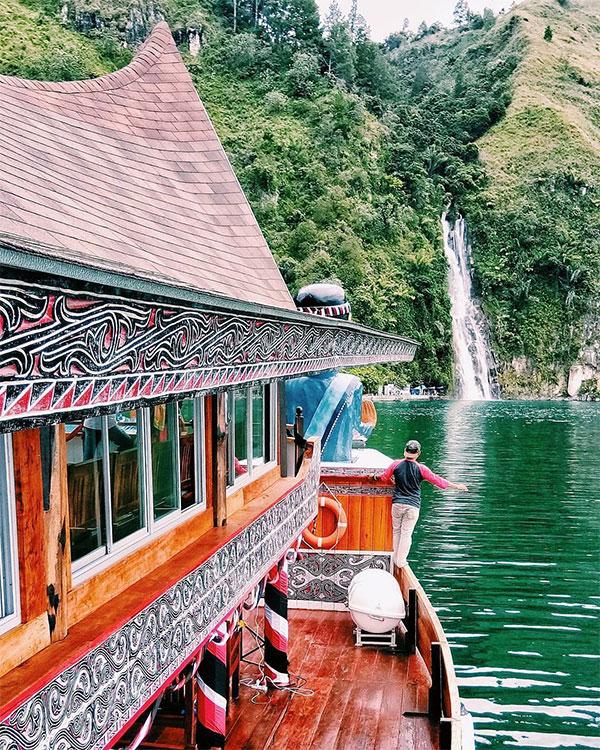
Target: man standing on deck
x: 407, y: 476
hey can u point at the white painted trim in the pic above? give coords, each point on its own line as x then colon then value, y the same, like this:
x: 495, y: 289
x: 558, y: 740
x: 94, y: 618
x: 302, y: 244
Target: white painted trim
x: 199, y: 453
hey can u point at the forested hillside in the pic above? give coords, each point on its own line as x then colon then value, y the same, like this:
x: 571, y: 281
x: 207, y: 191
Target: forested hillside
x: 349, y: 151
x: 536, y: 225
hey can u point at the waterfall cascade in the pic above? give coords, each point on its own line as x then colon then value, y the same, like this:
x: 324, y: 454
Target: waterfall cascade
x: 474, y: 370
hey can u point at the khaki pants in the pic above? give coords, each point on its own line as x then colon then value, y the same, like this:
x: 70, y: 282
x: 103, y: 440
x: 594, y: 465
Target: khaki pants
x: 404, y: 520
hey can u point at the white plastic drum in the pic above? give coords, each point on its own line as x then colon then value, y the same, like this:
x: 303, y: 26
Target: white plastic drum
x: 375, y: 601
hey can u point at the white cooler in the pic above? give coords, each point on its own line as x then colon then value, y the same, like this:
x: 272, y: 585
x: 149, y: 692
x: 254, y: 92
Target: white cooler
x: 376, y: 605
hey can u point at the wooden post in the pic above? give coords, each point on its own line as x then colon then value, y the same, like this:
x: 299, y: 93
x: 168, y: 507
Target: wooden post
x: 56, y: 525
x: 220, y: 462
x: 190, y: 721
x: 234, y: 657
x: 436, y: 691
x: 411, y: 622
x: 446, y: 734
x: 27, y: 464
x: 299, y: 438
x: 282, y: 426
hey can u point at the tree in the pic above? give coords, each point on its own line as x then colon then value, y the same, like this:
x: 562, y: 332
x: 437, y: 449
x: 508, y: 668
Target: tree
x: 489, y: 19
x: 292, y: 23
x: 241, y: 14
x: 421, y: 81
x: 462, y: 13
x: 459, y: 82
x: 394, y: 40
x: 548, y: 34
x: 374, y: 74
x: 339, y: 45
x: 303, y: 74
x: 244, y: 54
x: 353, y: 18
x: 397, y: 39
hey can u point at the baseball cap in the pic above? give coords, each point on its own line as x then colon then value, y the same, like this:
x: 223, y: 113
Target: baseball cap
x: 413, y: 446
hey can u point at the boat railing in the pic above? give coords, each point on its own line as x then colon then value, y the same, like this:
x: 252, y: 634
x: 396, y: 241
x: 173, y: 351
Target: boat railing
x: 425, y: 634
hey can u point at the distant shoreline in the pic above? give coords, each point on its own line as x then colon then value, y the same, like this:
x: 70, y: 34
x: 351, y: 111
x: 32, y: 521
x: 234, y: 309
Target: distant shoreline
x: 528, y: 397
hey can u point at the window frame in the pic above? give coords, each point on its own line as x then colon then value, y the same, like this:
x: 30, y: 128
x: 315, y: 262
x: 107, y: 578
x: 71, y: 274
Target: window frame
x: 111, y: 551
x: 9, y: 621
x: 269, y: 427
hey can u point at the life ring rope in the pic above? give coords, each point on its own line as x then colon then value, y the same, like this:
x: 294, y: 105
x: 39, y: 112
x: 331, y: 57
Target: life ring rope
x: 330, y: 541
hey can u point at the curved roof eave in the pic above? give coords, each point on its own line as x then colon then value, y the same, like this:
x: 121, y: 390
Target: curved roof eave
x: 125, y: 172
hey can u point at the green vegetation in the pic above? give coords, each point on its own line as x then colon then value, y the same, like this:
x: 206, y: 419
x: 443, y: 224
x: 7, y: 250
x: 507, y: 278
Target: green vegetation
x: 34, y: 44
x: 536, y: 224
x: 349, y: 151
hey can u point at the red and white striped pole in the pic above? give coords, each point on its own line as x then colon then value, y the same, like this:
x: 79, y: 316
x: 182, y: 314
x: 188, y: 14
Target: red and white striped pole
x: 213, y: 684
x: 276, y: 620
x: 276, y: 625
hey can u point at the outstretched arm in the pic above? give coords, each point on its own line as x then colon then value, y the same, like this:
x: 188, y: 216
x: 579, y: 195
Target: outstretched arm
x: 460, y: 486
x: 440, y: 482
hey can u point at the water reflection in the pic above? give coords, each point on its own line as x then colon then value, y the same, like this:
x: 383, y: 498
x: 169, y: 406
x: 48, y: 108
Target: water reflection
x: 513, y: 565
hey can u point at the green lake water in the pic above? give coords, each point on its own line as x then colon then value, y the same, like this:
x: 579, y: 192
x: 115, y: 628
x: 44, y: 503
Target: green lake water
x: 513, y: 566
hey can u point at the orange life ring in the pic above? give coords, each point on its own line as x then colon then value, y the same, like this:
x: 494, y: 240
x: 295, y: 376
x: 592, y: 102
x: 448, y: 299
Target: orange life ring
x: 327, y: 542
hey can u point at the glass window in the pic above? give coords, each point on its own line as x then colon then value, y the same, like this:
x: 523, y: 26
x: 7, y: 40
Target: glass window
x: 8, y: 541
x: 128, y: 470
x: 85, y: 481
x: 250, y: 430
x: 164, y: 448
x: 124, y: 431
x: 240, y: 416
x: 258, y: 425
x: 188, y: 471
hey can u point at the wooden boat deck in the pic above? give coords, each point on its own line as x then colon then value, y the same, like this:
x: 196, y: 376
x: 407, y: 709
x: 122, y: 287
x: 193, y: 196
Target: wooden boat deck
x: 360, y: 695
x: 358, y: 700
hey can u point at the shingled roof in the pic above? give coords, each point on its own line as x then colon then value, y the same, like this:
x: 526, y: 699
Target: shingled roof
x: 126, y: 173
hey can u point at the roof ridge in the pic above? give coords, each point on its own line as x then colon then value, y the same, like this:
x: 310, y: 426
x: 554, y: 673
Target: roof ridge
x: 159, y: 39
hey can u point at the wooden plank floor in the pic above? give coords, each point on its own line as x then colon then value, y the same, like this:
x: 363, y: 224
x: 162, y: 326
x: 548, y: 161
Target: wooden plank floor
x: 359, y: 695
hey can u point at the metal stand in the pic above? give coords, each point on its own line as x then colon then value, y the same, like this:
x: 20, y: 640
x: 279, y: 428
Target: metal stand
x: 363, y: 638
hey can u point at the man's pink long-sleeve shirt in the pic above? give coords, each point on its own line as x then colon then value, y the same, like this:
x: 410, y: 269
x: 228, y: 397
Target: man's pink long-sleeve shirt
x: 407, y: 476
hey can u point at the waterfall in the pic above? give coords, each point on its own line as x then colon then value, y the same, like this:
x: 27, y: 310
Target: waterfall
x: 473, y: 360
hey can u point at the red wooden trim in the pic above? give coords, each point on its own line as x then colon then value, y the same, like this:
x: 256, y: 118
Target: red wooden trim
x: 27, y: 462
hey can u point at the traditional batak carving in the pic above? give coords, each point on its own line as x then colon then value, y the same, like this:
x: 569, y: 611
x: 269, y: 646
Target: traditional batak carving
x: 67, y: 350
x: 85, y: 706
x: 350, y: 471
x: 384, y: 490
x: 325, y: 576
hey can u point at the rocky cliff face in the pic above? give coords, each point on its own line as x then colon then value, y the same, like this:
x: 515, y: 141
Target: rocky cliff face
x: 584, y: 375
x: 133, y: 21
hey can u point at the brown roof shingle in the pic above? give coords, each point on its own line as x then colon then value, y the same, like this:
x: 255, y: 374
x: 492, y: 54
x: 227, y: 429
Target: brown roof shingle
x: 125, y: 172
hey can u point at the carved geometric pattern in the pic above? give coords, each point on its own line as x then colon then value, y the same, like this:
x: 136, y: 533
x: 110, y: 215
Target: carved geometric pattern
x: 85, y: 706
x: 350, y: 471
x: 358, y: 489
x: 326, y: 576
x: 66, y: 350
